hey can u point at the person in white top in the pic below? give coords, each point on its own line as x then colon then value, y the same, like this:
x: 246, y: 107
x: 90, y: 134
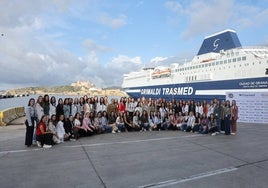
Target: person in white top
x: 190, y: 122
x: 52, y: 106
x: 199, y: 108
x: 60, y: 129
x: 39, y: 109
x: 211, y: 107
x: 101, y: 106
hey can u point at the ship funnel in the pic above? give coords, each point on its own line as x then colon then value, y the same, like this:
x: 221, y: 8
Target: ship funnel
x: 220, y: 41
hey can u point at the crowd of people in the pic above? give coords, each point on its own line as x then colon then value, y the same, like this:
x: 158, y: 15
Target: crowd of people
x: 50, y: 121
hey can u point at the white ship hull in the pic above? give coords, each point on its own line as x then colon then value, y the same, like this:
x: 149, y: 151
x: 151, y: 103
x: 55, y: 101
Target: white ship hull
x: 216, y: 70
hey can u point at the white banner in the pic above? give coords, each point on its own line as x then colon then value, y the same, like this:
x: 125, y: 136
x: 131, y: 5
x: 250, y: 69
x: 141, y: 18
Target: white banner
x: 252, y: 107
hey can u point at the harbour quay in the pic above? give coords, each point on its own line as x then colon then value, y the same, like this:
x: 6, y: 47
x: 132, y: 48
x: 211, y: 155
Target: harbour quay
x: 138, y: 159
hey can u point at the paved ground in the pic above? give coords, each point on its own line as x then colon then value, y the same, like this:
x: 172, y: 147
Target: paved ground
x: 146, y: 159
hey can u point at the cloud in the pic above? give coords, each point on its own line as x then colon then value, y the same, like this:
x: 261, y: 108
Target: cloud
x: 119, y: 66
x: 108, y: 20
x: 209, y: 16
x: 91, y: 46
x: 158, y: 59
x: 204, y: 16
x: 31, y: 55
x: 174, y: 6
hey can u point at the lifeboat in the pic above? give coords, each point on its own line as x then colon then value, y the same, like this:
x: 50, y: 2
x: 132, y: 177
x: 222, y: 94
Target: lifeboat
x: 207, y: 60
x: 163, y: 72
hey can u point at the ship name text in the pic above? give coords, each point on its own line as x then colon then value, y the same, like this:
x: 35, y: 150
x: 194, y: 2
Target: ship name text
x: 168, y: 91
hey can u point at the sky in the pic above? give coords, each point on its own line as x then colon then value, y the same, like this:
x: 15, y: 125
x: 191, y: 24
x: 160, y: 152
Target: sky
x: 58, y: 42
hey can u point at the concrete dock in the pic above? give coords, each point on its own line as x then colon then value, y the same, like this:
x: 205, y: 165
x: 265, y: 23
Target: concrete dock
x: 138, y: 159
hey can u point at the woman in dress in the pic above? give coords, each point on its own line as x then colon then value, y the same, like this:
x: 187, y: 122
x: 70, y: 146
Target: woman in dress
x: 234, y: 114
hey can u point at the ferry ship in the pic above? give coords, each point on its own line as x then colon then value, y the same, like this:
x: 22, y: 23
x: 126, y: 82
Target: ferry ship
x: 221, y: 65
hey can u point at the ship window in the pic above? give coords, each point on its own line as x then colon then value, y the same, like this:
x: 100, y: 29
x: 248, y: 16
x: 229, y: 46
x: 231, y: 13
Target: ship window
x: 244, y: 58
x: 213, y: 64
x: 221, y: 62
x: 199, y: 66
x: 206, y: 65
x: 191, y: 68
x: 196, y: 76
x: 228, y: 55
x: 259, y: 62
x: 239, y: 59
x: 217, y: 63
x: 266, y: 72
x: 232, y: 54
x: 202, y: 66
x: 237, y: 53
x: 229, y: 60
x: 234, y: 59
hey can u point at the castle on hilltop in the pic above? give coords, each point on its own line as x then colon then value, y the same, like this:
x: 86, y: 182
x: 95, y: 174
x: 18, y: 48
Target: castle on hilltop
x: 83, y: 84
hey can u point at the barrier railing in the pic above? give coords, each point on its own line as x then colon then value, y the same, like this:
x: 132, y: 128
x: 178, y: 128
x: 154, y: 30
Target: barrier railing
x: 10, y: 114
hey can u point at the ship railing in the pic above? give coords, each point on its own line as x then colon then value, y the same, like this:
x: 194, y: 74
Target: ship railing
x: 254, y: 47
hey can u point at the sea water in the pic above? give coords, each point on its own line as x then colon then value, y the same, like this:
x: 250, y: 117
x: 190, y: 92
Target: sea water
x: 23, y: 101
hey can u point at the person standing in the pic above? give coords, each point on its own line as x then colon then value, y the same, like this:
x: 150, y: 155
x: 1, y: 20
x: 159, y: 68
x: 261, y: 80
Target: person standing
x: 30, y: 118
x: 39, y: 109
x: 234, y: 115
x: 217, y: 114
x: 52, y: 106
x: 227, y: 117
x: 59, y: 108
x: 46, y: 104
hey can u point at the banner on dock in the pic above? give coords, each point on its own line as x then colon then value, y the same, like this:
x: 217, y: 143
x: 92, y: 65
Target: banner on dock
x: 252, y: 107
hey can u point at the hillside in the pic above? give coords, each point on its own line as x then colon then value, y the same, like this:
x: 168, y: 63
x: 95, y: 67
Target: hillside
x: 78, y: 88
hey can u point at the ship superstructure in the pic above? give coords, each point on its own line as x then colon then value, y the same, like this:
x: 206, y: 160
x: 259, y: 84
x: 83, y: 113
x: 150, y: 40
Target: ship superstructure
x: 221, y: 65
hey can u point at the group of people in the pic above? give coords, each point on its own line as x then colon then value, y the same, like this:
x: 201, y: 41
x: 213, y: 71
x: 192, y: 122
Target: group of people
x: 49, y: 122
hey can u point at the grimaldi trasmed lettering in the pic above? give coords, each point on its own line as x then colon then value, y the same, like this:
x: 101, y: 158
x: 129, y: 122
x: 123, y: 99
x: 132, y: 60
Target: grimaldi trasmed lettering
x: 168, y: 91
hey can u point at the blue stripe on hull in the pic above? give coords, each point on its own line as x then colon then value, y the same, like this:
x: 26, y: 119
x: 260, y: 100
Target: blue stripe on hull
x: 187, y: 91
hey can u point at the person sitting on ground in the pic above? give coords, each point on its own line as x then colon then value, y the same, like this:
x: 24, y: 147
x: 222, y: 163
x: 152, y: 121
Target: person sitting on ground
x: 166, y: 121
x: 68, y: 126
x: 180, y: 120
x: 197, y: 122
x: 87, y: 126
x: 52, y: 128
x: 144, y: 121
x: 112, y: 121
x: 204, y: 124
x: 92, y: 122
x: 190, y: 122
x: 78, y: 130
x: 63, y: 136
x: 120, y: 122
x: 105, y: 123
x: 184, y: 122
x: 212, y: 125
x: 98, y: 123
x: 136, y: 121
x: 128, y: 121
x: 157, y: 121
x: 43, y: 137
x: 152, y: 125
x: 173, y: 121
